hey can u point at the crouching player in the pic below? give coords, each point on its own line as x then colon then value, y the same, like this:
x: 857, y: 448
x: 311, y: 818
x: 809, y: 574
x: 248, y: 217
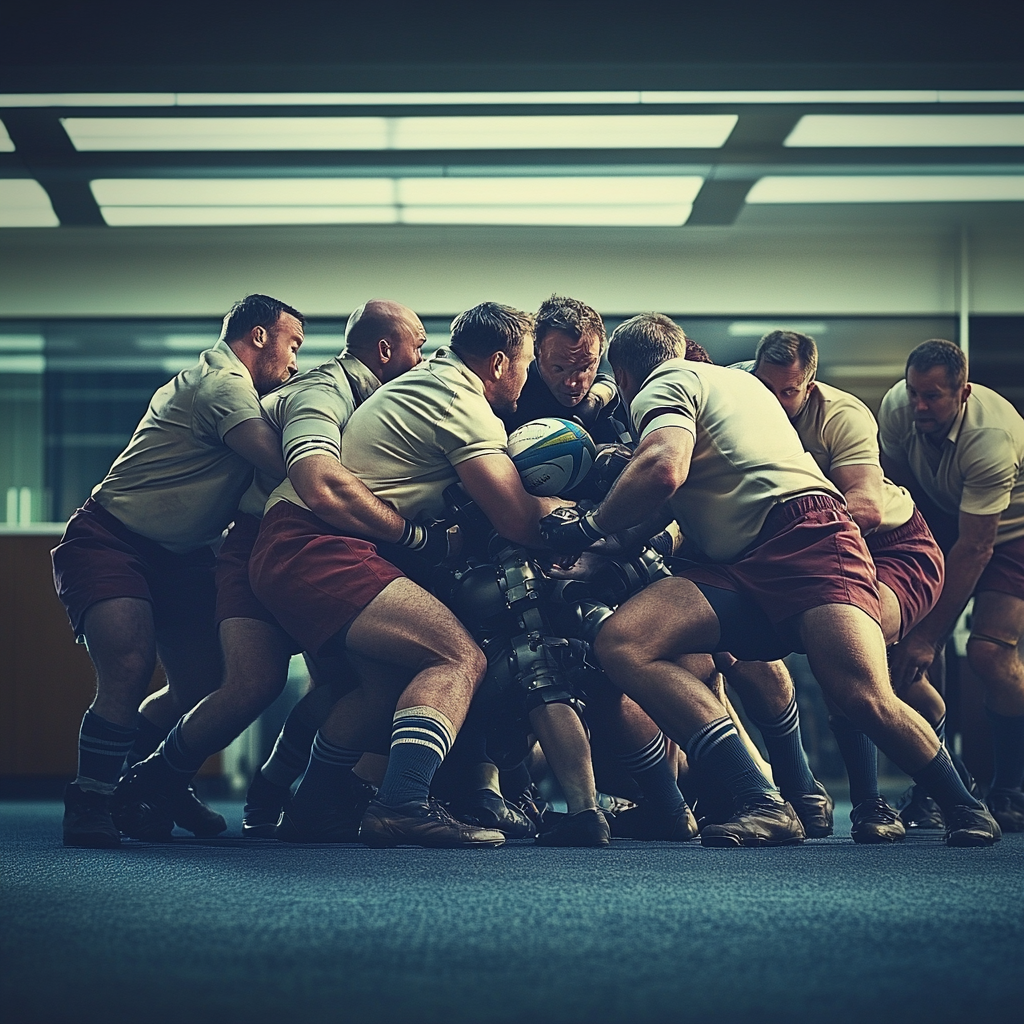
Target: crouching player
x: 787, y: 569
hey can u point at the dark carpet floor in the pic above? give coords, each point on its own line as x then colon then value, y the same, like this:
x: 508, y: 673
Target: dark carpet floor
x: 230, y: 930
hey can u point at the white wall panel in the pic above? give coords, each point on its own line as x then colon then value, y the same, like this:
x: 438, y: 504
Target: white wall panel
x: 329, y: 270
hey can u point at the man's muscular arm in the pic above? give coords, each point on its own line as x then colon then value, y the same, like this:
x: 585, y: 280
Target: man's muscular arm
x: 862, y: 486
x: 343, y: 500
x: 259, y: 443
x: 493, y: 482
x: 964, y: 565
x: 658, y: 468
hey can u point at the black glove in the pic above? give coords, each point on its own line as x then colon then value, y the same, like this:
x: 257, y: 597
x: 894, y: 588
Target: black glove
x: 569, y: 530
x: 609, y: 463
x: 435, y: 543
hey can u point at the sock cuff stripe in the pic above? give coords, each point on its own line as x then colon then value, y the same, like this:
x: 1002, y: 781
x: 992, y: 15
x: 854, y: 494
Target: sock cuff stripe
x: 419, y: 742
x: 408, y: 733
x: 782, y: 725
x: 88, y: 742
x: 709, y: 737
x: 331, y: 753
x: 429, y: 713
x: 94, y: 723
x: 646, y: 757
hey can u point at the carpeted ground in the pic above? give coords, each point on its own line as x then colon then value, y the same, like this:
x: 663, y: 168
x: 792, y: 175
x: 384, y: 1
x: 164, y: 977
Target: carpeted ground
x: 230, y: 930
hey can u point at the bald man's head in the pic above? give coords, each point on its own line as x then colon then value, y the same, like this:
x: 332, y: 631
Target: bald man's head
x: 386, y: 336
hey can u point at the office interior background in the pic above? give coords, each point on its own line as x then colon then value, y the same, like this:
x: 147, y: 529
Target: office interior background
x: 854, y: 171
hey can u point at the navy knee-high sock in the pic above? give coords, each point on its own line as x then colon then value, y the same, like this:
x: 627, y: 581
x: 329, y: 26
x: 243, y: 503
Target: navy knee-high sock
x: 420, y: 740
x: 649, y: 768
x: 786, y: 753
x: 717, y: 751
x: 860, y: 755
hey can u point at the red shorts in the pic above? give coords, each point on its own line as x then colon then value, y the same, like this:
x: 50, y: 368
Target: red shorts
x: 235, y: 599
x: 909, y: 562
x: 809, y: 553
x: 312, y: 579
x: 99, y: 558
x: 1005, y: 570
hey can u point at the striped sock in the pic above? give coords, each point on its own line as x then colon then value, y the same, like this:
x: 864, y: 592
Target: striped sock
x: 860, y: 756
x: 178, y: 755
x: 323, y: 785
x: 102, y: 748
x: 786, y: 753
x: 290, y: 756
x: 940, y: 780
x: 716, y: 750
x: 940, y: 729
x: 420, y: 740
x: 649, y: 768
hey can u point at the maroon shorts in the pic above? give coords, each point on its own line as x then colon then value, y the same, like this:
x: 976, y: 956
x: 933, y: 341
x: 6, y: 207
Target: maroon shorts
x: 809, y: 553
x: 235, y: 599
x: 1005, y: 570
x: 909, y: 562
x: 99, y: 558
x: 312, y: 579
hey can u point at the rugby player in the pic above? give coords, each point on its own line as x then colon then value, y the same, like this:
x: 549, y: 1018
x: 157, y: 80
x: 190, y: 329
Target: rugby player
x: 841, y: 434
x: 962, y: 445
x: 786, y: 569
x: 135, y: 569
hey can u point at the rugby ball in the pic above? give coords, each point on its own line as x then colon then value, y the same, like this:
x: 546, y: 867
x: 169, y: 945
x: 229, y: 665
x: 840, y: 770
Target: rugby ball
x: 552, y: 455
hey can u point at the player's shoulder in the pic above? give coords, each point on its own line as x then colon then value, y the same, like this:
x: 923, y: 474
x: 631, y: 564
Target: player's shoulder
x: 987, y: 409
x: 835, y: 401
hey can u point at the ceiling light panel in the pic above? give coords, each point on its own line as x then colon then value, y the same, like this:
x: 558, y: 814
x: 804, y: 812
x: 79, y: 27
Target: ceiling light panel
x: 244, y: 191
x: 25, y: 204
x: 583, y: 191
x: 830, y: 130
x: 198, y: 216
x: 568, y: 131
x: 907, y: 188
x: 655, y: 215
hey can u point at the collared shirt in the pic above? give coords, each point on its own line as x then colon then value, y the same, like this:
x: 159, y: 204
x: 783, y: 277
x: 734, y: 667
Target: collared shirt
x: 311, y: 412
x: 746, y: 459
x: 837, y: 428
x: 177, y: 482
x: 405, y: 441
x: 978, y: 467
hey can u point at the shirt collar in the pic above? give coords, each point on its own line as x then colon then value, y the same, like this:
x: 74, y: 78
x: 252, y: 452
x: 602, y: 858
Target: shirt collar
x: 222, y: 348
x: 954, y: 430
x: 449, y: 357
x: 365, y: 379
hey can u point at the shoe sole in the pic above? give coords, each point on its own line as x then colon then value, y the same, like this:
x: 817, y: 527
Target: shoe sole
x: 265, y: 831
x: 735, y: 843
x: 967, y: 838
x: 877, y: 840
x: 382, y: 843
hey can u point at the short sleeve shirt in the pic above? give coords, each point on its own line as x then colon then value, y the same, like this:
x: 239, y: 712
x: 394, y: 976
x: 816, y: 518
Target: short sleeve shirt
x: 978, y: 467
x: 311, y: 412
x: 746, y: 459
x: 405, y: 441
x: 177, y: 482
x: 837, y: 428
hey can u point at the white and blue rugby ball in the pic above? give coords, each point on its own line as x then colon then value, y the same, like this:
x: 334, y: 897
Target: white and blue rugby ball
x: 552, y: 455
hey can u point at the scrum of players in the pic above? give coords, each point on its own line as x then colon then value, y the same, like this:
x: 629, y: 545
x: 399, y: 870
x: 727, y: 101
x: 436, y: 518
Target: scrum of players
x: 462, y: 632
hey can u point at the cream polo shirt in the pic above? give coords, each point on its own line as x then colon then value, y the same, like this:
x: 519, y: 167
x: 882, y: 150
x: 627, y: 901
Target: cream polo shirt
x: 406, y: 439
x: 310, y: 412
x: 746, y: 459
x: 977, y: 469
x: 837, y: 428
x: 177, y: 482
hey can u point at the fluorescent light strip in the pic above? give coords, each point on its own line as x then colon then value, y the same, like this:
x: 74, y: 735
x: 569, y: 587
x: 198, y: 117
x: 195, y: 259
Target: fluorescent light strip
x: 253, y: 99
x: 25, y: 204
x: 938, y: 188
x: 545, y: 131
x: 196, y: 216
x: 6, y: 145
x: 849, y: 130
x: 639, y: 200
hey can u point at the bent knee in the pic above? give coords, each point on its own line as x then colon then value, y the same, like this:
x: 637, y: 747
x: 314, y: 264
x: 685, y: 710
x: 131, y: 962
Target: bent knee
x: 991, y: 656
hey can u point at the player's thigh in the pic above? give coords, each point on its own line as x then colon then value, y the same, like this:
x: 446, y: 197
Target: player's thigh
x: 665, y: 621
x: 405, y: 626
x: 846, y: 652
x: 192, y: 661
x: 256, y: 653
